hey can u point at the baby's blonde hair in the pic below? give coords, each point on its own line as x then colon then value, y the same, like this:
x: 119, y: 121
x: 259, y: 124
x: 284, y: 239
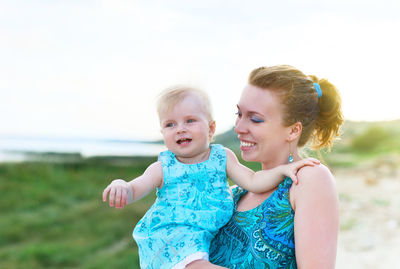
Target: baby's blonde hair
x: 170, y: 97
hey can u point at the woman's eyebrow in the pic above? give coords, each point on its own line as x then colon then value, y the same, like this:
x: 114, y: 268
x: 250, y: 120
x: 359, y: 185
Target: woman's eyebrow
x: 250, y: 112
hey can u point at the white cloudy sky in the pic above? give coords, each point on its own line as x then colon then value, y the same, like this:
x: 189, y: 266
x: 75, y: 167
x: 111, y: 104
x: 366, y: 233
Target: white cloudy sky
x: 77, y: 68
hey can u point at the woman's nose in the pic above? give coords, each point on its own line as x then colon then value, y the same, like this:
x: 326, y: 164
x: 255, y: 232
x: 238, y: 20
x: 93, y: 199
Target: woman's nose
x: 240, y: 127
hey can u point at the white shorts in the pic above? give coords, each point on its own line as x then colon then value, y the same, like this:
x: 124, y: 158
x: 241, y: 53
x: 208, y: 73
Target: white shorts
x: 191, y: 258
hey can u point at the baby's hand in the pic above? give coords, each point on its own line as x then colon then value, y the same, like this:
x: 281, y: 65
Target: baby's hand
x: 120, y: 193
x: 291, y: 169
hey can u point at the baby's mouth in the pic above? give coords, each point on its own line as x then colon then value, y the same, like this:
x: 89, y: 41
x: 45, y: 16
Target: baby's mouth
x: 184, y: 141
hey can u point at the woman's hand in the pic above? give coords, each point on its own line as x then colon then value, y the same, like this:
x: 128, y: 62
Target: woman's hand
x: 120, y: 193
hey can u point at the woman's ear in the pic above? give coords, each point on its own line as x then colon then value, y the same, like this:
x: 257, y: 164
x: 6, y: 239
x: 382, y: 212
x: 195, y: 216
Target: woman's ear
x: 295, y: 131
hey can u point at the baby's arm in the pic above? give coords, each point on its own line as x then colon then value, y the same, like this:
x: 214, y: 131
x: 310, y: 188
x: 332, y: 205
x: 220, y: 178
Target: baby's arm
x: 122, y: 192
x: 263, y: 180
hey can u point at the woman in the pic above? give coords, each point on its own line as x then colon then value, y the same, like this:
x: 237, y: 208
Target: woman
x: 292, y: 226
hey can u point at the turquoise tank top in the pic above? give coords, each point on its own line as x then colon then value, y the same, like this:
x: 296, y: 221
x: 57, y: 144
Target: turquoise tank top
x: 193, y: 204
x: 262, y: 237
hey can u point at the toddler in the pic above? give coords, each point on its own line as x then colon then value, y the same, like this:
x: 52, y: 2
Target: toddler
x: 193, y: 196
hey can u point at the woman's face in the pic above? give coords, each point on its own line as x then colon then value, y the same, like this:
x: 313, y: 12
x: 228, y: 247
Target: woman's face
x: 262, y: 136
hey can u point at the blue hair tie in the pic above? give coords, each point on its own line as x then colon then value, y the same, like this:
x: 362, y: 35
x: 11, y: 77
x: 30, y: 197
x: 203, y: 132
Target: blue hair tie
x: 318, y: 89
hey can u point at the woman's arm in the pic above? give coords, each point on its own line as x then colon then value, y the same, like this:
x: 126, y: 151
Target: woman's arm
x: 316, y: 220
x: 121, y: 192
x: 263, y: 180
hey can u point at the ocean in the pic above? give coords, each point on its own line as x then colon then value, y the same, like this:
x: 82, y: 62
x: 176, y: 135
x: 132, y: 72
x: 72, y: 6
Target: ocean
x: 18, y: 148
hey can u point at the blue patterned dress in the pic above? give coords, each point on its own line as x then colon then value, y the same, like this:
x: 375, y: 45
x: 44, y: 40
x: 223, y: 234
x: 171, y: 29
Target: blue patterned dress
x: 262, y: 237
x: 193, y: 204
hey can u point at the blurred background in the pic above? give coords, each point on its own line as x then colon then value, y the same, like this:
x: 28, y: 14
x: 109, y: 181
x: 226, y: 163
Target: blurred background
x: 78, y: 84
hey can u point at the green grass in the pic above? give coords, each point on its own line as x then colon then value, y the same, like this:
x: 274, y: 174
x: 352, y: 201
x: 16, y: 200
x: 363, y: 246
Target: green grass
x: 52, y: 216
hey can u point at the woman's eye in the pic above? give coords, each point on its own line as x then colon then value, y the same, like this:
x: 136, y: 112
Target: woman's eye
x: 239, y: 114
x: 256, y: 120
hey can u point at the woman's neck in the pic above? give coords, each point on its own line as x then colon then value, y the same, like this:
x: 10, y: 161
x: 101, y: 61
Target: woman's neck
x: 279, y: 160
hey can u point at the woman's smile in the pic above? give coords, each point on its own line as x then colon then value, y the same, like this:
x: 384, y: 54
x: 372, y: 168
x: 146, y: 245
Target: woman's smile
x: 246, y: 145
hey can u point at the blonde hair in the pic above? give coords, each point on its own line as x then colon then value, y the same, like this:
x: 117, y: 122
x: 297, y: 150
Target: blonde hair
x: 170, y: 97
x: 321, y: 118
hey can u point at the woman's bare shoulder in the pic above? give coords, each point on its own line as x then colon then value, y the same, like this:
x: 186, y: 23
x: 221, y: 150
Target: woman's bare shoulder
x: 315, y: 182
x: 317, y: 174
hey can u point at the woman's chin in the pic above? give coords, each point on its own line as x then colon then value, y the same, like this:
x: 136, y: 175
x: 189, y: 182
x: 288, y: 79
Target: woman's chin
x: 248, y: 157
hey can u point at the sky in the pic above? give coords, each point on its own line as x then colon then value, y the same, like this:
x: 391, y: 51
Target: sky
x: 81, y: 68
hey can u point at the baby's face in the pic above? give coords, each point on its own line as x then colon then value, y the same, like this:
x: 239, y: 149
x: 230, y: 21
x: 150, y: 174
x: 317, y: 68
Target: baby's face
x: 187, y: 130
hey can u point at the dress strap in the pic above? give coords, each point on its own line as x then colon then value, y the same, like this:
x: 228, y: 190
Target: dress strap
x: 237, y: 193
x: 167, y: 158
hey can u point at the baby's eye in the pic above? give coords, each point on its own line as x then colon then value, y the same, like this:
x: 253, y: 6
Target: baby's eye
x: 190, y: 121
x: 256, y: 119
x: 169, y: 124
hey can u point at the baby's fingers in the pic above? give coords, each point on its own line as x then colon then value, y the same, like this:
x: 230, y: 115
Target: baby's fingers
x: 117, y: 197
x: 293, y: 177
x: 308, y: 162
x: 124, y: 195
x: 111, y: 197
x: 313, y: 160
x: 105, y: 192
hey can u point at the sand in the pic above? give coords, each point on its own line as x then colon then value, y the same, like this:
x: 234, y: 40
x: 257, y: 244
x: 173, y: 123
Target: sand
x: 369, y: 234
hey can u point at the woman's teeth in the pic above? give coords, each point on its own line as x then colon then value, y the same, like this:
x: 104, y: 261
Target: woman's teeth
x: 246, y: 144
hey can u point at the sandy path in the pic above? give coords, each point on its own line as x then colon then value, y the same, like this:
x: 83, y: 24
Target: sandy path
x: 369, y: 217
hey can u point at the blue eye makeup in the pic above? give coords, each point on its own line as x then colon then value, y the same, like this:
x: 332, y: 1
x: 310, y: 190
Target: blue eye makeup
x: 256, y: 119
x: 251, y: 116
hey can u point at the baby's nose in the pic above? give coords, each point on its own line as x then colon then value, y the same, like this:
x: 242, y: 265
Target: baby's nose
x: 181, y: 128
